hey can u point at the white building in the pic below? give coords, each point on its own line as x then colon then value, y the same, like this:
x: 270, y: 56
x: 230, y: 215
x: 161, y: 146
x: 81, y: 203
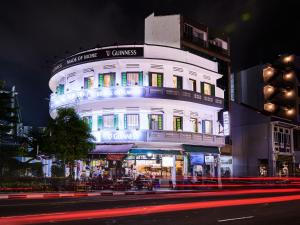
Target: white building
x: 154, y: 106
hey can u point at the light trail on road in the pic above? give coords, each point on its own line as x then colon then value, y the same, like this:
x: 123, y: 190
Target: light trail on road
x: 139, y: 210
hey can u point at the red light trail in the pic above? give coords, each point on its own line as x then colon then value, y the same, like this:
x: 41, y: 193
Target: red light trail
x: 144, y: 210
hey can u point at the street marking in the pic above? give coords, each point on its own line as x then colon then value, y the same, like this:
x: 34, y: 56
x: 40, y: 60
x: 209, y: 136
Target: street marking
x: 237, y: 218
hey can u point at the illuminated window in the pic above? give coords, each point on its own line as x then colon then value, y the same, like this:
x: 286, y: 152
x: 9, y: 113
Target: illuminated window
x: 155, y: 122
x: 89, y: 82
x: 156, y: 79
x: 194, y: 124
x: 207, y: 89
x: 177, y: 82
x: 207, y: 127
x: 88, y: 120
x: 177, y: 123
x: 193, y: 84
x: 132, y: 78
x: 106, y: 80
x: 132, y: 121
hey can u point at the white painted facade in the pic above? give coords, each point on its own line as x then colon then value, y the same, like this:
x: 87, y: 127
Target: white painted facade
x: 95, y: 101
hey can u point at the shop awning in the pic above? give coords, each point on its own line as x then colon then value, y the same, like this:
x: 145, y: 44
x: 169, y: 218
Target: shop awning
x: 111, y: 149
x: 200, y: 148
x: 154, y: 151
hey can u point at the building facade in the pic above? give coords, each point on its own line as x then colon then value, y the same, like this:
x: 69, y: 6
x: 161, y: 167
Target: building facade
x: 153, y: 108
x: 265, y: 124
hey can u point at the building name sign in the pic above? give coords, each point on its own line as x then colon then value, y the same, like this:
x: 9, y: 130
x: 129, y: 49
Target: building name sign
x: 98, y: 54
x: 119, y: 136
x: 226, y: 121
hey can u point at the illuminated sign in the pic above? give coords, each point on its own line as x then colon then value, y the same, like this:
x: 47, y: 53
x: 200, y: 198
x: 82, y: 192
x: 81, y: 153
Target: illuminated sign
x: 123, y: 136
x: 209, y: 159
x: 226, y: 123
x: 98, y: 54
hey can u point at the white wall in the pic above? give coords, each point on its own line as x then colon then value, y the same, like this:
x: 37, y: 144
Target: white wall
x: 163, y: 30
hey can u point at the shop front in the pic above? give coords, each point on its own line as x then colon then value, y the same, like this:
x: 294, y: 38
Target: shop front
x: 201, y: 161
x: 285, y: 165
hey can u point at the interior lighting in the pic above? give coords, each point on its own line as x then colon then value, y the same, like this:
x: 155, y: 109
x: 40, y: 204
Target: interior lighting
x: 288, y: 59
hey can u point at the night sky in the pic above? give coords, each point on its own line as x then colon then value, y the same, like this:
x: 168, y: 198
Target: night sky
x: 35, y: 34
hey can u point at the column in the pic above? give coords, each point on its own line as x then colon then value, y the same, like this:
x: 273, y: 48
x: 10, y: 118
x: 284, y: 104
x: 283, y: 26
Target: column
x: 174, y: 172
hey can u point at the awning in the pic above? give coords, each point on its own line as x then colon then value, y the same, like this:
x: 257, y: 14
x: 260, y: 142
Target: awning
x: 111, y: 149
x: 200, y: 148
x: 154, y: 151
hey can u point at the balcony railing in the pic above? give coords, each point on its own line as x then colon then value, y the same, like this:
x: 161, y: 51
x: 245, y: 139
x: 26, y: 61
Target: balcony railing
x: 162, y: 136
x: 77, y: 97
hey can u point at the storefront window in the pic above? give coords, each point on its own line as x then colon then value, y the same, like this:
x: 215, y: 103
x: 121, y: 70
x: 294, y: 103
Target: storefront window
x: 132, y: 79
x: 89, y: 82
x: 177, y: 82
x: 207, y: 127
x: 88, y: 120
x: 155, y: 122
x: 107, y: 80
x: 60, y: 89
x: 156, y: 79
x: 132, y: 121
x: 193, y: 84
x: 177, y: 123
x: 207, y: 89
x: 194, y: 123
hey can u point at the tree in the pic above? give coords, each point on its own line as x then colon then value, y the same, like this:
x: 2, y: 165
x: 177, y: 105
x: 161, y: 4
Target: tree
x: 68, y: 137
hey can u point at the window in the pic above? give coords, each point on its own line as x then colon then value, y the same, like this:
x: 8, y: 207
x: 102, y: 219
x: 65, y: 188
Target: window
x: 155, y: 122
x: 60, y: 89
x: 207, y: 127
x: 132, y: 121
x: 194, y: 124
x: 106, y: 80
x: 193, y: 84
x: 177, y: 123
x: 132, y: 78
x: 177, y: 82
x: 156, y: 79
x: 207, y: 89
x: 88, y: 120
x: 109, y: 121
x: 88, y: 82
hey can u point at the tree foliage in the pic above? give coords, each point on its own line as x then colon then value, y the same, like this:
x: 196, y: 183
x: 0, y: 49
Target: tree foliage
x: 68, y: 137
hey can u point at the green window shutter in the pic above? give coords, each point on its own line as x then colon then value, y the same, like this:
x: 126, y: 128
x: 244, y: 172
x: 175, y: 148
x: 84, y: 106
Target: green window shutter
x: 90, y: 123
x: 160, y: 122
x: 112, y: 79
x: 100, y: 80
x: 125, y: 121
x: 100, y: 122
x: 178, y: 123
x: 140, y: 78
x: 86, y: 83
x: 202, y: 87
x: 212, y: 90
x: 179, y: 82
x: 159, y: 80
x: 116, y: 121
x: 124, y: 79
x: 150, y: 121
x: 203, y: 126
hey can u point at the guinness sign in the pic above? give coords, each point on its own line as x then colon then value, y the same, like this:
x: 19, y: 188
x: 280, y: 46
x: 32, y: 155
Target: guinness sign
x: 98, y: 54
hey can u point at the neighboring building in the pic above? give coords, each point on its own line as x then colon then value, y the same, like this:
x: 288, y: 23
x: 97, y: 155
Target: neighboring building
x: 9, y: 117
x: 265, y: 118
x: 153, y: 108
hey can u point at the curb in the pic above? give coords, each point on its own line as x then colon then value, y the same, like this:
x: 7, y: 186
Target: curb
x: 83, y: 194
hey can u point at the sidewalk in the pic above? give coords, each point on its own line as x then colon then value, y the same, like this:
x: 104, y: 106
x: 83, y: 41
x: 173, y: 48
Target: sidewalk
x: 41, y: 195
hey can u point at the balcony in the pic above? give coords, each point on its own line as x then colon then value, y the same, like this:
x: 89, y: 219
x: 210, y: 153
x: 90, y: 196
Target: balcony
x: 162, y: 136
x: 77, y: 97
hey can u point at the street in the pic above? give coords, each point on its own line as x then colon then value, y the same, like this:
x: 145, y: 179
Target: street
x: 243, y: 206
